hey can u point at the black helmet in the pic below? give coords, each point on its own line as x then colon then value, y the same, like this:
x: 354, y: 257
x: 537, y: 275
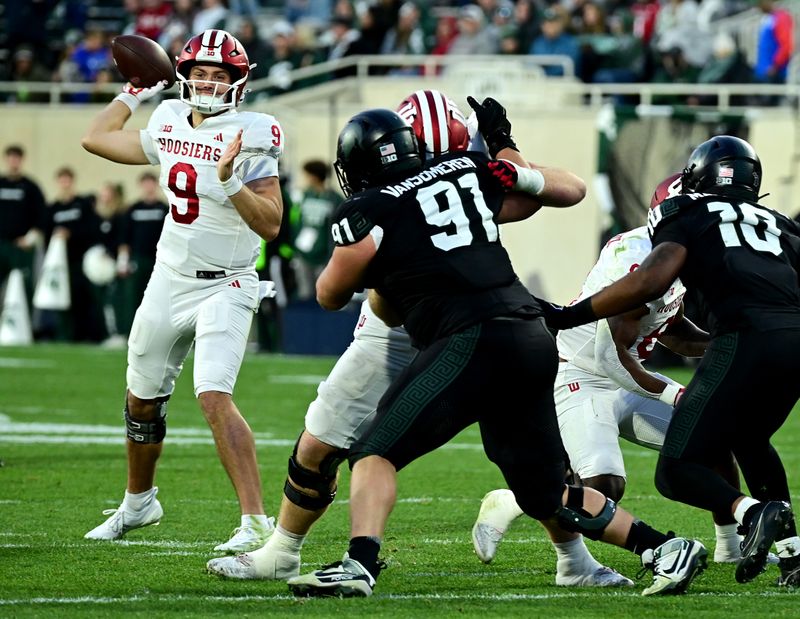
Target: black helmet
x: 375, y: 147
x: 723, y: 164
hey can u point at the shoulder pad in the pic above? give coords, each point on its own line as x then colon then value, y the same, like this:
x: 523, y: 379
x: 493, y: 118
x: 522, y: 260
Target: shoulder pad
x: 262, y: 133
x: 668, y: 209
x: 352, y: 220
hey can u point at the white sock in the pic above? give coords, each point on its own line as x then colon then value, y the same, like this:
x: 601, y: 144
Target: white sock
x: 574, y: 558
x: 259, y: 520
x: 789, y: 547
x: 138, y: 500
x: 280, y: 540
x: 745, y: 504
x: 728, y: 538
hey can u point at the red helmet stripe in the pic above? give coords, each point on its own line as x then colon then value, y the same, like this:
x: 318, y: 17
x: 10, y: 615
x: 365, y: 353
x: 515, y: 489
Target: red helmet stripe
x: 427, y: 125
x: 442, y: 117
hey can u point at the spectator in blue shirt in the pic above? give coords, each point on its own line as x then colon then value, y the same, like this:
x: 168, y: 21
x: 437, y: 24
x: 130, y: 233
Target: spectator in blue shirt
x: 554, y: 40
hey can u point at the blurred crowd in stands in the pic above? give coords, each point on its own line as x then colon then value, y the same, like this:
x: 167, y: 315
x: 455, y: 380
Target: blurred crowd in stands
x: 609, y: 41
x: 124, y: 231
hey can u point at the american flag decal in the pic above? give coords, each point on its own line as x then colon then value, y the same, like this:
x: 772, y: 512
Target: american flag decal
x: 389, y: 149
x: 726, y: 172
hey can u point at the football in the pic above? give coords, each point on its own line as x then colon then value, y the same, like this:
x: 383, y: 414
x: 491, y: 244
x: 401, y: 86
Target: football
x: 142, y: 61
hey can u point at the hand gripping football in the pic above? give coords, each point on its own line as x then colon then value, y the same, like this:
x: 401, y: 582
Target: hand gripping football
x: 142, y: 61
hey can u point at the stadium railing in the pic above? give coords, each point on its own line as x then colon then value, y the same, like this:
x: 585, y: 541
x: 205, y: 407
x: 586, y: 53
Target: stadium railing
x: 497, y: 68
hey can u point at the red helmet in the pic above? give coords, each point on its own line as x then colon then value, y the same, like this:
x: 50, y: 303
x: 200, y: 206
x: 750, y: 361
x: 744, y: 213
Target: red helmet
x: 214, y: 47
x: 668, y: 188
x: 439, y: 125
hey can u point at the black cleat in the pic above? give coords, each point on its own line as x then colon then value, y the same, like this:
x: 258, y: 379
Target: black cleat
x: 765, y: 527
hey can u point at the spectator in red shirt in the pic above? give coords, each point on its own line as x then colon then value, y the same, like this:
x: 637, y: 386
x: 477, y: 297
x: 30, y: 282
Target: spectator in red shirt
x: 775, y: 43
x: 152, y: 18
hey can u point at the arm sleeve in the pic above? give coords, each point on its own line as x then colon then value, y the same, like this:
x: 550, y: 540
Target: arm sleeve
x: 351, y: 222
x: 605, y: 354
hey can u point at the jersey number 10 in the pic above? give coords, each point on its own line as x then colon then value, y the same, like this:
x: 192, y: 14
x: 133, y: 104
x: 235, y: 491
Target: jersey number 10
x: 731, y: 226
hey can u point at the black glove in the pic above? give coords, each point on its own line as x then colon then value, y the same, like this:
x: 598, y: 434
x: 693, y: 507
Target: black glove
x: 561, y: 317
x: 493, y: 125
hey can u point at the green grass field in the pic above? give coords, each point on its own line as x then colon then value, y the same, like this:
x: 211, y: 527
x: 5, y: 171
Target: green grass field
x: 61, y: 438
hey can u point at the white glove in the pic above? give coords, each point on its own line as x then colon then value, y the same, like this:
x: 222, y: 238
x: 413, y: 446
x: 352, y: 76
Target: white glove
x: 133, y: 97
x: 266, y: 290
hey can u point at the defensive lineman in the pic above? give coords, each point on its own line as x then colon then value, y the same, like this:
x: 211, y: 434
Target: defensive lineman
x: 219, y: 169
x: 348, y: 398
x: 417, y: 234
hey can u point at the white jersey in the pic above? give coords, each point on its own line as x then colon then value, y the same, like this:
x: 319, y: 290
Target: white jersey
x: 621, y: 255
x: 203, y: 231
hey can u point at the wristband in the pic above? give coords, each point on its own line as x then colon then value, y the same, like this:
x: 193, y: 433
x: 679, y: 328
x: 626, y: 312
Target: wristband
x: 499, y: 140
x: 232, y: 186
x: 671, y: 394
x: 128, y: 99
x: 581, y: 313
x: 529, y: 180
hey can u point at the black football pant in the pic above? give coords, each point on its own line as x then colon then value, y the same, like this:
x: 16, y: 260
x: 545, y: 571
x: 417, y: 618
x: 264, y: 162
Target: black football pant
x: 743, y: 391
x: 500, y: 374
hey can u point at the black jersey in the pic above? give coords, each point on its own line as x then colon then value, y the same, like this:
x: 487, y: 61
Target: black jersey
x: 140, y: 227
x: 439, y: 258
x: 742, y: 258
x: 22, y: 207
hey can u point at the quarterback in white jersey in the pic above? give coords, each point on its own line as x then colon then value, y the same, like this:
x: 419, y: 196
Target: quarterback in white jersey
x: 603, y: 392
x: 347, y: 399
x: 219, y: 171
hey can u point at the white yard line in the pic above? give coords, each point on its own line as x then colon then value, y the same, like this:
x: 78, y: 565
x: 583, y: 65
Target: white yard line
x: 495, y: 597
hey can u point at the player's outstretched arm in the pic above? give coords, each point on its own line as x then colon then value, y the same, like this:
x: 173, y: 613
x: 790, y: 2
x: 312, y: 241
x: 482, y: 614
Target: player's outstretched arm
x: 106, y: 137
x: 650, y: 281
x: 259, y: 202
x: 561, y: 187
x: 344, y: 273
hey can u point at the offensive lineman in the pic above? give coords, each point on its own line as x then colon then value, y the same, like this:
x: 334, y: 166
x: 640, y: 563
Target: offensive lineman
x: 602, y: 391
x: 219, y: 170
x: 426, y: 237
x: 348, y: 398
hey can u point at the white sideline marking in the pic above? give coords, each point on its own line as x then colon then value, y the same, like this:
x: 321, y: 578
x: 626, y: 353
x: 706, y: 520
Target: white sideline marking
x: 31, y: 433
x: 497, y: 597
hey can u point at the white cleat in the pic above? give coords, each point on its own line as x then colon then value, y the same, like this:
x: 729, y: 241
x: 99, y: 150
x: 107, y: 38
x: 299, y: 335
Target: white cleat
x: 269, y: 565
x: 601, y: 577
x: 675, y: 564
x: 498, y: 510
x: 123, y: 519
x: 247, y: 538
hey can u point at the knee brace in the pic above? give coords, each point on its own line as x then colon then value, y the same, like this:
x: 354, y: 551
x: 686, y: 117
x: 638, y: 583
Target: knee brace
x: 572, y: 517
x: 322, y: 482
x: 147, y: 432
